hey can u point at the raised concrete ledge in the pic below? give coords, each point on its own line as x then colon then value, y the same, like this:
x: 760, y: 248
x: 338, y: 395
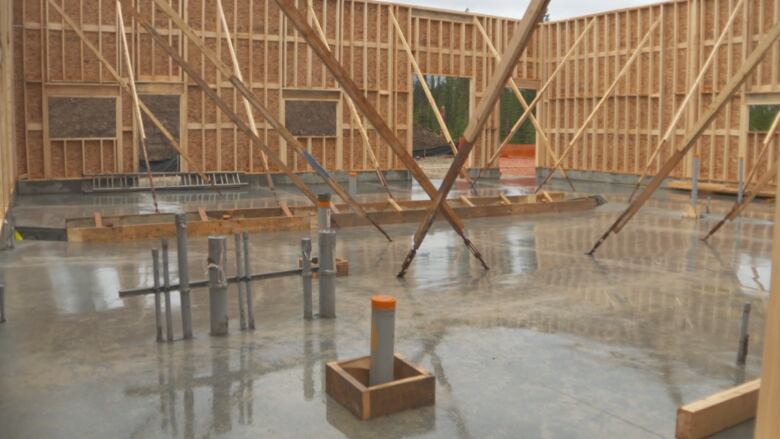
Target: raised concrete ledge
x: 593, y: 177
x: 82, y: 185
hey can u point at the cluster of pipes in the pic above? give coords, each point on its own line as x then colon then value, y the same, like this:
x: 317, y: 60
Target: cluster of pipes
x: 218, y: 280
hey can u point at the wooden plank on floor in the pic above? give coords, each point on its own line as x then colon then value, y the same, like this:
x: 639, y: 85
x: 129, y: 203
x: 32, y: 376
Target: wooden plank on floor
x: 718, y: 412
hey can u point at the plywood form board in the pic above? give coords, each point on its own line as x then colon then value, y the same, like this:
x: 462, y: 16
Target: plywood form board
x: 273, y: 58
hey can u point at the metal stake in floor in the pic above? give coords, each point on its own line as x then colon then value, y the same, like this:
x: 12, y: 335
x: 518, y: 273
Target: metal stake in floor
x: 167, y: 289
x: 250, y: 309
x: 157, y: 305
x: 327, y: 274
x: 240, y: 283
x: 2, y: 303
x: 744, y: 336
x: 740, y: 180
x: 306, y: 276
x: 184, y: 275
x: 217, y: 263
x: 695, y: 182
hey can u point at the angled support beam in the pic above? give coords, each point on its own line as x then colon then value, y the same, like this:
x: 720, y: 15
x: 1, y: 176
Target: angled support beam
x: 426, y: 90
x: 298, y: 20
x: 256, y: 104
x: 247, y: 107
x: 523, y: 104
x: 353, y: 111
x: 136, y: 107
x: 123, y: 83
x: 696, y: 130
x: 492, y: 93
x: 527, y: 113
x: 691, y: 91
x: 601, y: 102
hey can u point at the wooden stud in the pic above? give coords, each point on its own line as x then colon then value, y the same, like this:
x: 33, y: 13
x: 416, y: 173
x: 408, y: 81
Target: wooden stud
x: 718, y: 412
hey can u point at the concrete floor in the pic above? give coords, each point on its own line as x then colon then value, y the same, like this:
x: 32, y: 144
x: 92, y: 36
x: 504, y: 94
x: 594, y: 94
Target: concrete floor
x: 549, y: 343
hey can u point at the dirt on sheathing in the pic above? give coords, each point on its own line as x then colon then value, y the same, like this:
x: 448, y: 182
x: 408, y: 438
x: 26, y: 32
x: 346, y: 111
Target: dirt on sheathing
x: 166, y: 108
x: 82, y: 118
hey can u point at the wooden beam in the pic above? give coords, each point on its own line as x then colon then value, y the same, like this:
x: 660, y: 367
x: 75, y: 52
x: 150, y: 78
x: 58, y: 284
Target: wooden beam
x: 523, y: 104
x: 256, y: 104
x: 348, y: 85
x: 529, y: 111
x: 692, y: 89
x: 202, y: 214
x: 426, y: 90
x: 491, y: 95
x: 767, y: 420
x: 718, y: 412
x: 601, y: 102
x: 355, y: 115
x: 247, y: 107
x: 698, y: 128
x: 464, y: 199
x: 123, y: 83
x: 136, y: 107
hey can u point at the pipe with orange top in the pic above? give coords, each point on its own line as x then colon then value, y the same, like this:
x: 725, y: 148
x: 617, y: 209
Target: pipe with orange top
x: 382, y: 339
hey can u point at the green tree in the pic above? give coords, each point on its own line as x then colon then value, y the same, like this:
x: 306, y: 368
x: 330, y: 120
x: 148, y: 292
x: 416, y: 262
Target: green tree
x: 510, y: 112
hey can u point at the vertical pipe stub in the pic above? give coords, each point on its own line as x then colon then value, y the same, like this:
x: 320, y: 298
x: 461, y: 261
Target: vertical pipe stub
x: 2, y: 303
x: 307, y: 277
x: 184, y: 277
x: 353, y: 183
x: 218, y: 300
x: 382, y: 339
x: 327, y: 274
x: 323, y: 211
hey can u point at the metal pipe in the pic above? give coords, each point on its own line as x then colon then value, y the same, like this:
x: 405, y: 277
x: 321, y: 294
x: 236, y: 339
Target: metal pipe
x: 327, y: 244
x: 306, y: 276
x: 184, y: 275
x: 352, y: 183
x: 323, y: 211
x: 2, y: 303
x: 157, y: 304
x: 695, y: 182
x: 250, y: 310
x: 744, y: 336
x: 141, y: 291
x: 240, y: 286
x: 382, y: 340
x: 740, y: 180
x: 167, y: 289
x: 217, y: 263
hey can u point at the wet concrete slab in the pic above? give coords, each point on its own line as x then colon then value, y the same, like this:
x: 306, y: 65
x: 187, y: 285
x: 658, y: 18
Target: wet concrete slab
x: 549, y: 343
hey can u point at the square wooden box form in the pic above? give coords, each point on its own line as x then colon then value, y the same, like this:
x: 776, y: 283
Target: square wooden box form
x: 347, y: 383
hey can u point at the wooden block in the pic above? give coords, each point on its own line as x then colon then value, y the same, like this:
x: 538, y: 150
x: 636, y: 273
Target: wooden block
x: 504, y: 200
x: 286, y: 209
x: 466, y: 201
x: 347, y: 383
x: 202, y: 214
x: 395, y: 205
x: 718, y: 412
x: 547, y: 197
x: 98, y: 220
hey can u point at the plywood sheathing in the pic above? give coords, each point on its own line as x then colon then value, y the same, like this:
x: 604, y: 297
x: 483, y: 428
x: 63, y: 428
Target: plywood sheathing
x: 273, y: 55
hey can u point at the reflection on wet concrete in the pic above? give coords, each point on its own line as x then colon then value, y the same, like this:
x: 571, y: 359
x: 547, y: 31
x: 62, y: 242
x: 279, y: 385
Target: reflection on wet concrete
x: 548, y: 343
